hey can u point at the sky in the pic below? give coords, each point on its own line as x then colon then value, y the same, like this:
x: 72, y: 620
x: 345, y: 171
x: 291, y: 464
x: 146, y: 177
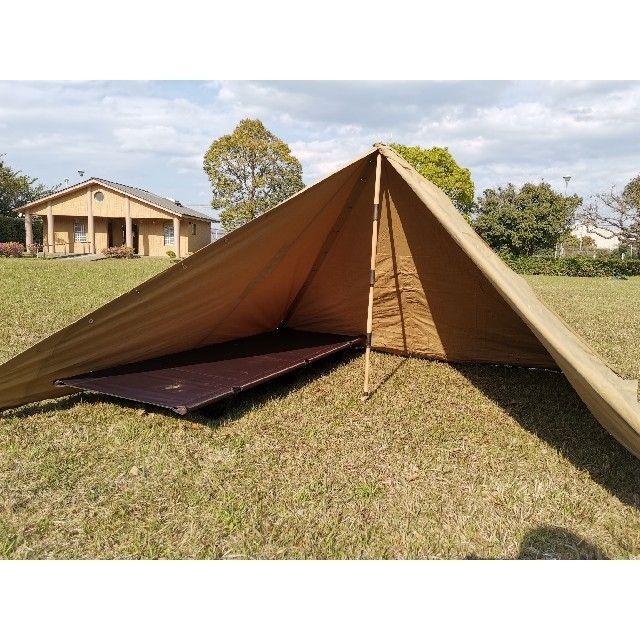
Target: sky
x: 153, y: 134
x: 142, y: 108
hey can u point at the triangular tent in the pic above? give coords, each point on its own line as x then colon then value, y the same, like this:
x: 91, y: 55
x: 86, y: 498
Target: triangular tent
x: 300, y: 277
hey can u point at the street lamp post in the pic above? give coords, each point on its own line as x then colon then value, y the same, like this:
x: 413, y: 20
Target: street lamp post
x: 566, y: 184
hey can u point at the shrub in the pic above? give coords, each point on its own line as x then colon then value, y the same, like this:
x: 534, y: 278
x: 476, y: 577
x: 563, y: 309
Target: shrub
x: 118, y: 252
x: 11, y: 249
x: 34, y: 248
x: 577, y: 266
x: 171, y: 254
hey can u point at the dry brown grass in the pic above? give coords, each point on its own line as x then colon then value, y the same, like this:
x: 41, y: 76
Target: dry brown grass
x: 443, y: 461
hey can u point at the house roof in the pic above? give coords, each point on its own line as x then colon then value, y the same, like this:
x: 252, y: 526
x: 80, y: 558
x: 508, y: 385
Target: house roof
x: 171, y: 206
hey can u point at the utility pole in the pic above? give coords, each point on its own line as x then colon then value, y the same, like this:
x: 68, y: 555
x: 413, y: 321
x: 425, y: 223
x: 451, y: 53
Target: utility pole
x: 566, y: 184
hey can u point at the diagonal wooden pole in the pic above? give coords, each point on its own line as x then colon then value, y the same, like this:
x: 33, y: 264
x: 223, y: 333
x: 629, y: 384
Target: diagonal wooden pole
x: 372, y: 274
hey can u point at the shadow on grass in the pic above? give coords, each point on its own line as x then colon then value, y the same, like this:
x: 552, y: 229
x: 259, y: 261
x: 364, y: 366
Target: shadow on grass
x: 557, y: 543
x: 54, y: 404
x: 554, y: 543
x: 388, y: 377
x: 544, y: 403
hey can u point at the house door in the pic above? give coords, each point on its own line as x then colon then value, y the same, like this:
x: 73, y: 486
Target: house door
x: 110, y: 234
x: 135, y: 238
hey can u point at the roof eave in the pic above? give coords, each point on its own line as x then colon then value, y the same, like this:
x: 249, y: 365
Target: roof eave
x: 112, y: 187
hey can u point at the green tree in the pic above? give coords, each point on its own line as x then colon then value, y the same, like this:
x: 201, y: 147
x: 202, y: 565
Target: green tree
x: 524, y: 221
x: 17, y: 189
x: 438, y: 166
x: 251, y: 171
x: 616, y: 213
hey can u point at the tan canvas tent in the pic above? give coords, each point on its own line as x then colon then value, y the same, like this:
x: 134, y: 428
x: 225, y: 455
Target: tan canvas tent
x: 304, y: 269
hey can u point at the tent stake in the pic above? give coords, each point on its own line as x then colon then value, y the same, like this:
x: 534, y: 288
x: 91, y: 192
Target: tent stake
x: 372, y: 275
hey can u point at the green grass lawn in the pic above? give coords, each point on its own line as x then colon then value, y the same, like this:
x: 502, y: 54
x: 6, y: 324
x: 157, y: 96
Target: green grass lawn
x: 443, y: 461
x: 603, y: 311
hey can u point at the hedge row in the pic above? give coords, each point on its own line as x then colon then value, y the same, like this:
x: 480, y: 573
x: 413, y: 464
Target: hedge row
x: 12, y: 230
x: 579, y: 266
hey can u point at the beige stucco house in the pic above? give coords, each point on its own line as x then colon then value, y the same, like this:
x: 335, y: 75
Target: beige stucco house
x: 95, y: 214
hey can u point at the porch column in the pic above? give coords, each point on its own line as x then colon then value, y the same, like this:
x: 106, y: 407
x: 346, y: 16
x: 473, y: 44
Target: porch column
x: 176, y: 236
x: 28, y: 228
x: 51, y: 239
x: 128, y: 226
x: 90, y: 226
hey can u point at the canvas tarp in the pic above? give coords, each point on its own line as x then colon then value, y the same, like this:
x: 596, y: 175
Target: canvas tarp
x: 439, y: 292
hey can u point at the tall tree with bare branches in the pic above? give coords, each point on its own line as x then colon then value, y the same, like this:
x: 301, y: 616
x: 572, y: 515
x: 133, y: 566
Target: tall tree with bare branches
x: 615, y: 214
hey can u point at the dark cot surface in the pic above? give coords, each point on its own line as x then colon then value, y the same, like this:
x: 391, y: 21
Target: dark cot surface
x: 192, y: 379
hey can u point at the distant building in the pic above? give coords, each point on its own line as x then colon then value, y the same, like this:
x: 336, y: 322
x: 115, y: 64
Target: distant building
x: 96, y: 214
x: 217, y: 233
x: 601, y: 243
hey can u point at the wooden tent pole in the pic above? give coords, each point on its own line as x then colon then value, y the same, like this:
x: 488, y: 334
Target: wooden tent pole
x: 372, y: 274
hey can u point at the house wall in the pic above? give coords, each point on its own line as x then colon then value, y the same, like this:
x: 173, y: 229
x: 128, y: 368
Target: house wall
x: 151, y: 238
x: 64, y: 235
x: 202, y: 236
x: 63, y: 232
x: 74, y: 204
x: 100, y: 229
x: 111, y: 207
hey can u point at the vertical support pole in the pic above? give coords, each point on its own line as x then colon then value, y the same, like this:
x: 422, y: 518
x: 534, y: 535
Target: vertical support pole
x: 372, y: 274
x: 28, y: 228
x: 128, y: 223
x: 51, y: 238
x: 176, y: 236
x: 90, y: 223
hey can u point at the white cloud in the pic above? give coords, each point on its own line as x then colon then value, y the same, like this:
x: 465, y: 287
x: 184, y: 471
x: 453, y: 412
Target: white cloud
x: 154, y: 134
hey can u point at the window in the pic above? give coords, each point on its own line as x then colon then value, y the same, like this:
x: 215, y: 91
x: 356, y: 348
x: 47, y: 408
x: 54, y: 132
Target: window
x: 98, y: 196
x: 168, y: 234
x: 193, y: 229
x: 79, y: 231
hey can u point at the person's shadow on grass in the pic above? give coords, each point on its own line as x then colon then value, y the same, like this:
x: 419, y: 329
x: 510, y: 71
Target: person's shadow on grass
x: 557, y: 543
x: 554, y: 543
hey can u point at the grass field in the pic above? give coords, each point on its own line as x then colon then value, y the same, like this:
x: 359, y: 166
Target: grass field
x: 443, y: 461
